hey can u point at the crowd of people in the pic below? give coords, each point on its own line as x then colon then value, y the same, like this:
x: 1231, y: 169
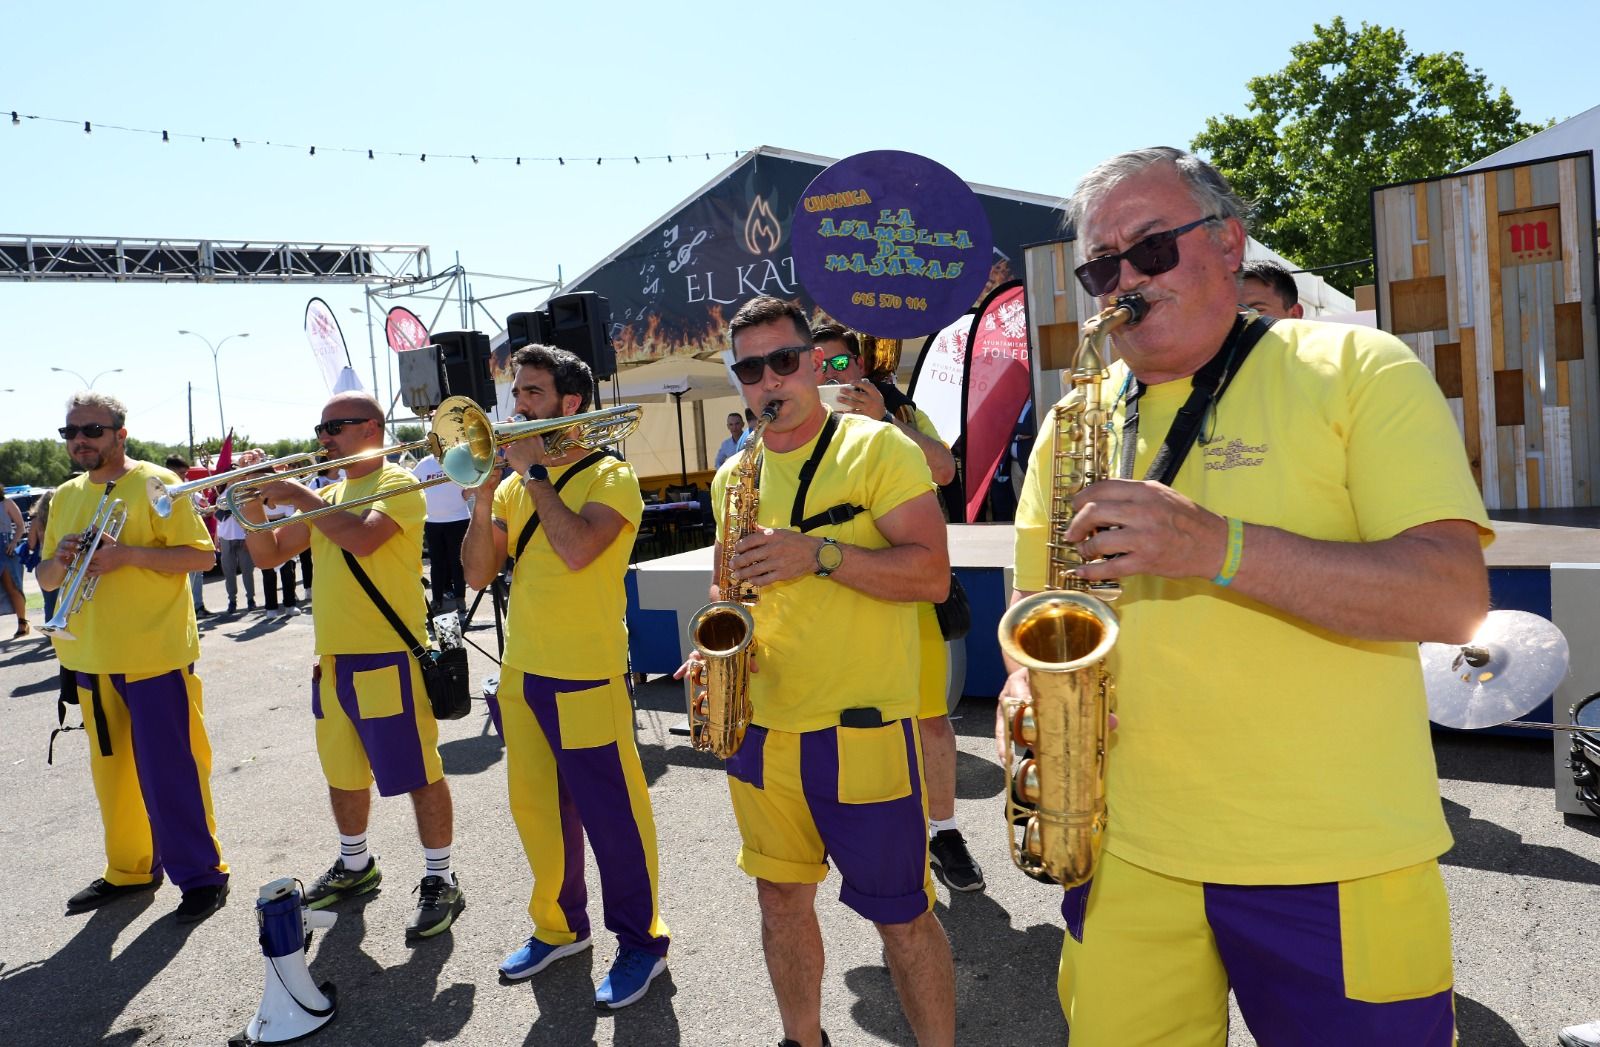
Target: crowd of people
x: 1259, y: 629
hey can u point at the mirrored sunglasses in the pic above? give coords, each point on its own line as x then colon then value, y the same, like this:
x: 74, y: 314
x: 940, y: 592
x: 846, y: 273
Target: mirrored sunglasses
x: 838, y: 362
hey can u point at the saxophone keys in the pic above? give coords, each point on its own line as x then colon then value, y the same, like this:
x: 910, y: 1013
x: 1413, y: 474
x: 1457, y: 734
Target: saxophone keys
x: 1025, y: 726
x: 1027, y: 782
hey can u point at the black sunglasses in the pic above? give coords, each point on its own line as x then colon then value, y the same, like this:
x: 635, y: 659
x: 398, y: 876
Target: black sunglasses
x: 335, y: 427
x: 94, y: 431
x: 782, y: 362
x: 1152, y: 256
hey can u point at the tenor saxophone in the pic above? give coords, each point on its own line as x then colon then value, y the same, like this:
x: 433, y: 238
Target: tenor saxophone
x: 724, y: 630
x: 1056, y: 807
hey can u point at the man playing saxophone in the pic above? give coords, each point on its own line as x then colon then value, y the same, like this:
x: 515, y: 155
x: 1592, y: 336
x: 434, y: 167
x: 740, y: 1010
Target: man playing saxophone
x: 373, y: 720
x: 850, y: 539
x: 131, y: 651
x: 563, y: 706
x: 1274, y: 815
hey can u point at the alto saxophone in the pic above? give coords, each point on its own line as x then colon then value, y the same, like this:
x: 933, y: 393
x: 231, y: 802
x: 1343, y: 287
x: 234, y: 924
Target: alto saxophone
x: 724, y: 631
x: 1056, y: 807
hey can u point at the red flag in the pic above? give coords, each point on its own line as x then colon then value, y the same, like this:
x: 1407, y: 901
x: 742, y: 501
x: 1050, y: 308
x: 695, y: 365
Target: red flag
x: 997, y: 388
x: 225, y: 456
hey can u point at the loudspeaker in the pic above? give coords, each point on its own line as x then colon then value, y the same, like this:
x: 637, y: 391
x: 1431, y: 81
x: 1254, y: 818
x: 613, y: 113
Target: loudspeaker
x: 292, y: 1005
x: 527, y: 328
x: 464, y: 366
x: 581, y: 323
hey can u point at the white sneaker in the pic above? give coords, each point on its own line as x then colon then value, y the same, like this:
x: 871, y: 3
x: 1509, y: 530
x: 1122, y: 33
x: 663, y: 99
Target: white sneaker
x: 1587, y: 1035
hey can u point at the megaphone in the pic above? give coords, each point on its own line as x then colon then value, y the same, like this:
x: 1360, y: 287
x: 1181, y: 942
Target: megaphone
x: 292, y: 1006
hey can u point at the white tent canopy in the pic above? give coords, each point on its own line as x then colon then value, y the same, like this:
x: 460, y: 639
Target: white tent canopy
x: 671, y: 440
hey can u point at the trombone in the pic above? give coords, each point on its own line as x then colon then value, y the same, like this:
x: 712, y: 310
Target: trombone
x: 466, y: 444
x: 164, y: 496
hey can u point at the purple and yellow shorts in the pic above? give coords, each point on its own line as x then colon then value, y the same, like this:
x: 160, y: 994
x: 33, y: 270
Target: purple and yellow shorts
x: 1150, y: 959
x: 379, y: 726
x: 852, y: 795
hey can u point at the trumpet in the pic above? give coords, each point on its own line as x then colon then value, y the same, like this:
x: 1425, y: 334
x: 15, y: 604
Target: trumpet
x: 164, y: 496
x: 77, y: 588
x: 466, y: 444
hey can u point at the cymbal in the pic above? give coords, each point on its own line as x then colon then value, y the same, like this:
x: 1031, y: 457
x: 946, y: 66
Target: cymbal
x: 1513, y: 662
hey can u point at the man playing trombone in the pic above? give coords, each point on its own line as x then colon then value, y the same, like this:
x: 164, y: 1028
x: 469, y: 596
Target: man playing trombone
x: 132, y: 648
x: 373, y: 720
x: 564, y: 709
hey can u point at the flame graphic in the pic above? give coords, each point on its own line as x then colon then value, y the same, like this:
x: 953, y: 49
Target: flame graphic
x: 761, y: 229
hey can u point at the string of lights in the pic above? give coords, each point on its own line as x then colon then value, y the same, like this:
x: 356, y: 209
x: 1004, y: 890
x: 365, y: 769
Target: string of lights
x: 90, y: 127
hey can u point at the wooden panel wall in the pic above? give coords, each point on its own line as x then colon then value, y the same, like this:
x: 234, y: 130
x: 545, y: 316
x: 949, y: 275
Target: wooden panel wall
x: 1513, y: 344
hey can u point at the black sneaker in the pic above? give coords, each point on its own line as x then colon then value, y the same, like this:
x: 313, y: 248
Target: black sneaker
x: 100, y: 892
x: 792, y: 1043
x: 438, y: 904
x: 200, y: 902
x: 338, y: 884
x: 952, y: 862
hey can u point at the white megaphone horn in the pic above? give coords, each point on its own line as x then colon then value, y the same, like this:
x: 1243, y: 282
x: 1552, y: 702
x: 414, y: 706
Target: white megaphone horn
x: 292, y: 1006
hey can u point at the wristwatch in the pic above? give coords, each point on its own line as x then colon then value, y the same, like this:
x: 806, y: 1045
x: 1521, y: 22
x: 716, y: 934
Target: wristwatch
x: 538, y: 472
x: 829, y: 557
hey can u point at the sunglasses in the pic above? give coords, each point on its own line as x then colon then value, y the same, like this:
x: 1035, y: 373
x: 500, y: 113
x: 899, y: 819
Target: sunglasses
x: 782, y: 362
x: 1152, y: 256
x: 336, y: 426
x: 839, y: 362
x: 94, y: 431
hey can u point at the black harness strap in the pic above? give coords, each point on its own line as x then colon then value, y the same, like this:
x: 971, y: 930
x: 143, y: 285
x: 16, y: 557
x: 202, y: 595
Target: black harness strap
x: 1209, y: 383
x: 838, y: 514
x: 418, y: 651
x: 533, y: 521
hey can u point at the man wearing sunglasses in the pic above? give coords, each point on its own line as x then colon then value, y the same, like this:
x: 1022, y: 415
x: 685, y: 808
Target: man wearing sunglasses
x: 1274, y: 815
x: 373, y: 720
x: 947, y: 849
x: 563, y: 705
x: 131, y: 654
x: 829, y: 769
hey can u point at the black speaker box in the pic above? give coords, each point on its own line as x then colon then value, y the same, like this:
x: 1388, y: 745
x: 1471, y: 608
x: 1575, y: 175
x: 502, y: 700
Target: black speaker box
x: 581, y: 323
x: 527, y: 329
x: 464, y: 362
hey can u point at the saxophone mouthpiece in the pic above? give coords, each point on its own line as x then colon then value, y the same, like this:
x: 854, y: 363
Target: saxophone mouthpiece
x: 770, y: 412
x: 1136, y: 306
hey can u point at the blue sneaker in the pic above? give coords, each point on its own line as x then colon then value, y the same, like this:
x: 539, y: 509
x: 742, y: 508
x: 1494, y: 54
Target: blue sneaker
x: 533, y: 956
x: 629, y: 978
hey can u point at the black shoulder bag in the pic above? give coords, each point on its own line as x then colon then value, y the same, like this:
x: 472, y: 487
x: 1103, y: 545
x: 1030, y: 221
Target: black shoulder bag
x: 955, y: 614
x: 444, y: 673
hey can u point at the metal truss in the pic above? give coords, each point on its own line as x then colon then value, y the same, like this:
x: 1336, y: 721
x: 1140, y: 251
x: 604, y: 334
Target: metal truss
x: 121, y: 259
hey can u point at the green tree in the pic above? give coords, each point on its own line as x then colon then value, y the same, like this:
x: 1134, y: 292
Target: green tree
x: 1352, y: 110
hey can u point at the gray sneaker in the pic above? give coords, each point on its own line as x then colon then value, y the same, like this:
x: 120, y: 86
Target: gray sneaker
x: 338, y: 884
x: 1587, y: 1035
x: 438, y: 904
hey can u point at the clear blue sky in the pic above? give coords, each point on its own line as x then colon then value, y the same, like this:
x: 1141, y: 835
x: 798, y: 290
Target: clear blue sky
x: 1023, y: 95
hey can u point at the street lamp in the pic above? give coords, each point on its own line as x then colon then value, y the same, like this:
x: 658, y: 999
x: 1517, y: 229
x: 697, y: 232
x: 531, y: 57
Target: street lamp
x: 88, y: 382
x: 216, y: 373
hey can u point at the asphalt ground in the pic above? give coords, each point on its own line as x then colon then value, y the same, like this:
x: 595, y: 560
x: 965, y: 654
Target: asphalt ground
x: 1522, y: 885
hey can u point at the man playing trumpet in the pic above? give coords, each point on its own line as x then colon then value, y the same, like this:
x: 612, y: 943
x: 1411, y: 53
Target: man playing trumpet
x: 373, y: 719
x: 132, y: 649
x: 563, y: 707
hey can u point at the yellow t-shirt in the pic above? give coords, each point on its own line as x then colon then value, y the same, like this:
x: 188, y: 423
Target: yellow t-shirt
x: 139, y: 621
x: 821, y: 646
x: 564, y: 623
x: 1253, y: 747
x: 347, y: 621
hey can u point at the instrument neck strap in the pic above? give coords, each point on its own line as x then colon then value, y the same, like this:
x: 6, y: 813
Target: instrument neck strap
x: 1209, y: 383
x: 561, y: 481
x: 841, y: 513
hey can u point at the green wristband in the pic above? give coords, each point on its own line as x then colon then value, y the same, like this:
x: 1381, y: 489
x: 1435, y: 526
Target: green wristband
x: 1230, y: 562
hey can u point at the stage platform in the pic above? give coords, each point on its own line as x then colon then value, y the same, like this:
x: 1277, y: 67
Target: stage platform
x: 1546, y: 562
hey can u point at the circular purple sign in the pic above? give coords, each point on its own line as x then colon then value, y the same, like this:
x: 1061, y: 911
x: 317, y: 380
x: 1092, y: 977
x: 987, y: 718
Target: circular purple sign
x: 891, y: 243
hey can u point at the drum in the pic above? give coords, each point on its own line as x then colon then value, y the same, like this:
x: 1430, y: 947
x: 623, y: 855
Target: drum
x: 1585, y: 757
